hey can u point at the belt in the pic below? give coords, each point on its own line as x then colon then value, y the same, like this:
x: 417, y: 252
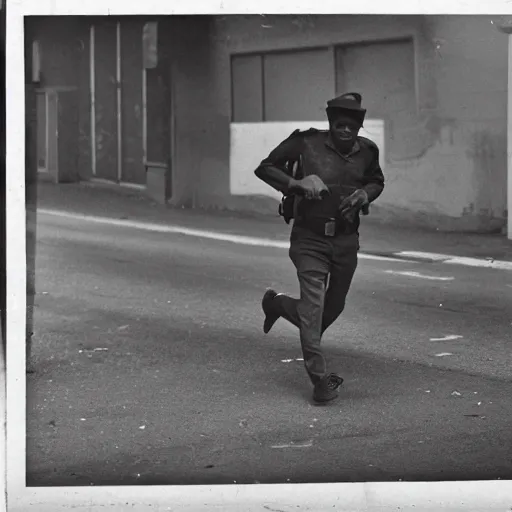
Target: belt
x: 326, y: 226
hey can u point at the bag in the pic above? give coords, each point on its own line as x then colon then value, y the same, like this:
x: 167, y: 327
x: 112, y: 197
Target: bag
x: 289, y: 203
x: 287, y: 208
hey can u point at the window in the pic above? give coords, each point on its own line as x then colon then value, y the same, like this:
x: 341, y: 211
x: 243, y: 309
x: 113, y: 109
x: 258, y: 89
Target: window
x: 284, y: 86
x: 247, y: 89
x: 295, y: 86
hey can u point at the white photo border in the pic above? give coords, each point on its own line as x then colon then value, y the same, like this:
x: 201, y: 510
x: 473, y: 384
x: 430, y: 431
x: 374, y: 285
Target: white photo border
x: 453, y: 496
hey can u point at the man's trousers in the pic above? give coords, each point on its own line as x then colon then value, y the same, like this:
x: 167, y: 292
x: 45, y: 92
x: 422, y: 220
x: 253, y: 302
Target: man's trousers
x: 325, y: 268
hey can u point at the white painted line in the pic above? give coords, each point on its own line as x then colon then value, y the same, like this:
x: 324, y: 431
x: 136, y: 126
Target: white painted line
x: 417, y: 274
x: 474, y: 262
x: 306, y: 444
x: 443, y: 354
x: 365, y: 256
x: 213, y: 235
x: 423, y: 255
x: 447, y: 338
x: 161, y: 228
x: 457, y: 260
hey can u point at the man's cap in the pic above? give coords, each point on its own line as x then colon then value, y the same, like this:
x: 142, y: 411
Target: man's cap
x: 349, y: 103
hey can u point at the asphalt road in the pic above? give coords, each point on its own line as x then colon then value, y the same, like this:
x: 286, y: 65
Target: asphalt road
x: 152, y: 368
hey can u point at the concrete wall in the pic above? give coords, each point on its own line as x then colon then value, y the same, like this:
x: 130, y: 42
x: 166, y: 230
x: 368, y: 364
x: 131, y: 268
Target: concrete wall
x: 458, y: 180
x: 452, y: 172
x: 472, y: 116
x: 200, y: 124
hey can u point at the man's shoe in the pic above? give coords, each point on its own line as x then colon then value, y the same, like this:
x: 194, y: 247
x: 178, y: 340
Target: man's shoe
x: 327, y: 389
x: 271, y: 317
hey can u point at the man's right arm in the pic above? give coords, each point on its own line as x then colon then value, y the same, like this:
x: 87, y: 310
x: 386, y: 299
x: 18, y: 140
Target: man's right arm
x: 273, y: 170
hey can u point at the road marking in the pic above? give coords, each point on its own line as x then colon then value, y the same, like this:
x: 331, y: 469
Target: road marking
x: 443, y: 354
x: 213, y: 235
x: 447, y: 338
x: 306, y: 444
x: 374, y: 257
x: 423, y: 255
x: 474, y: 262
x: 290, y: 360
x: 457, y: 260
x: 417, y: 274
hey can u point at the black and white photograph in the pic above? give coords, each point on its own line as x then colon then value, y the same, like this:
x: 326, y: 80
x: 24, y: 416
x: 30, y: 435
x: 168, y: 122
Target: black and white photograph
x: 262, y: 251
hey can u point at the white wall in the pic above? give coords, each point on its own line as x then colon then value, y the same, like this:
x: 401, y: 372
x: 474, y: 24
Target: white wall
x: 252, y: 142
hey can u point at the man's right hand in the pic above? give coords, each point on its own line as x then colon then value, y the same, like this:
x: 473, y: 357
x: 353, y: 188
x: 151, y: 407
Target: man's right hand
x: 312, y: 187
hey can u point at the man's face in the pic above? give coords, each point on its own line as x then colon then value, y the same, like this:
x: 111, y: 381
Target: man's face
x: 344, y: 130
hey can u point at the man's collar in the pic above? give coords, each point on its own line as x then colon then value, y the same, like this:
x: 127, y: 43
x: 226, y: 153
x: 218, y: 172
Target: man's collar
x: 355, y: 148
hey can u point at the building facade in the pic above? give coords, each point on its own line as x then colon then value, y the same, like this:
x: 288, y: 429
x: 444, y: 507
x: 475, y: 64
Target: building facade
x: 186, y: 106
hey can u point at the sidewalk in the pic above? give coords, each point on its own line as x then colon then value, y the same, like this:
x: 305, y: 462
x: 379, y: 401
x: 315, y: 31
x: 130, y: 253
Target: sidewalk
x: 376, y: 238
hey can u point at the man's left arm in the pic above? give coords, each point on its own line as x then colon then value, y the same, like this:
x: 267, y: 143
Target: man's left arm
x: 372, y: 186
x: 373, y: 180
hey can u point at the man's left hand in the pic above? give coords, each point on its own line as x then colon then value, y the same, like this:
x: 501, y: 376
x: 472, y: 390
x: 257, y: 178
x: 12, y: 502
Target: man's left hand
x: 353, y: 203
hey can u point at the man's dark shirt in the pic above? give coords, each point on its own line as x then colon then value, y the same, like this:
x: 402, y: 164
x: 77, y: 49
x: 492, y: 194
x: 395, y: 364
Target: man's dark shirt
x: 343, y: 174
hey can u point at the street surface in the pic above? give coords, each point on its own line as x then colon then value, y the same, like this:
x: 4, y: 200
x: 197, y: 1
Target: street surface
x: 152, y: 367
